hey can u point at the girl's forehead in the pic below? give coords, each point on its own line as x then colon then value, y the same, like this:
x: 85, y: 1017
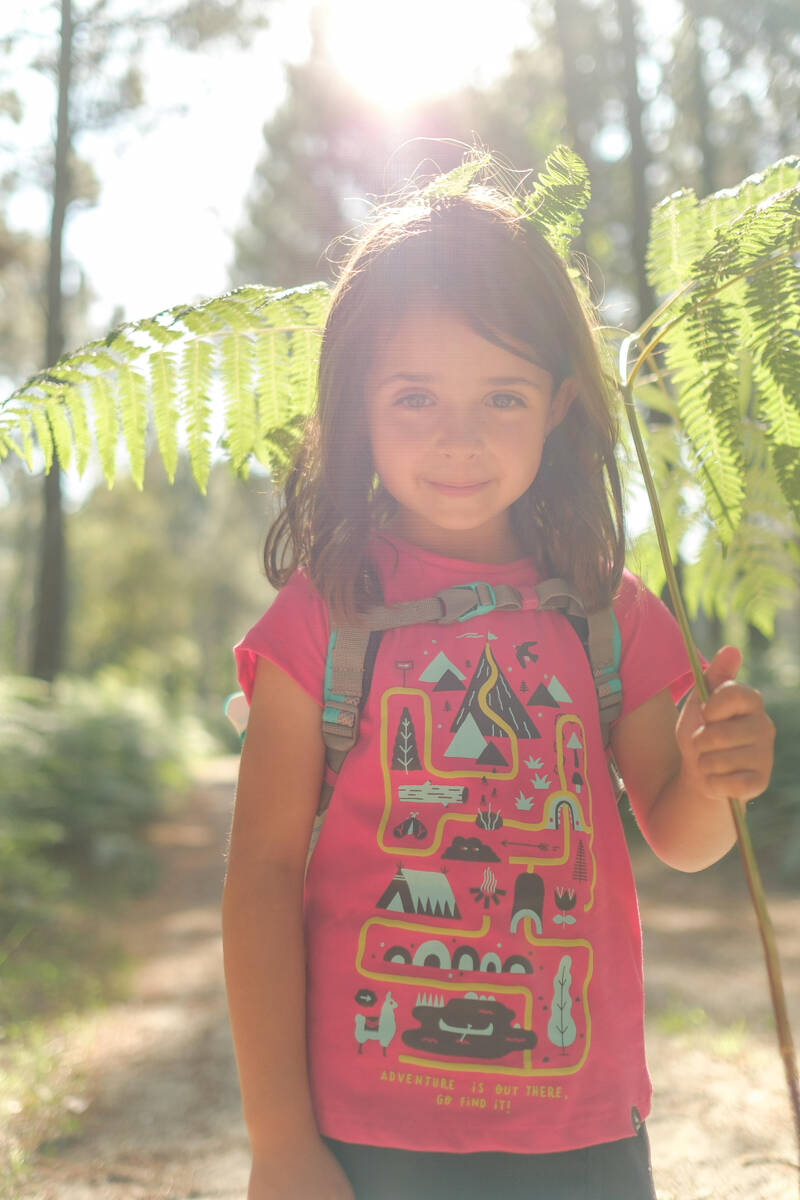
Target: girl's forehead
x: 435, y: 334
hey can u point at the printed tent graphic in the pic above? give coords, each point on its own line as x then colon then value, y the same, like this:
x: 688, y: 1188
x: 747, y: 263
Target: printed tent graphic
x: 426, y: 892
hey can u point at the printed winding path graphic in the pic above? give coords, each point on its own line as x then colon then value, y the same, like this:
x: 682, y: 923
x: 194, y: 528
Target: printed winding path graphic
x: 163, y: 1119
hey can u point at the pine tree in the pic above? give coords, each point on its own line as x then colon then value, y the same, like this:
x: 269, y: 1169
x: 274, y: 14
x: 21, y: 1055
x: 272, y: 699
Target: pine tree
x: 405, y: 756
x: 579, y: 870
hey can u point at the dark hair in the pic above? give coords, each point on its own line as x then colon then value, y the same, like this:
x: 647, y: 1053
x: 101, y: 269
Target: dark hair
x: 474, y: 257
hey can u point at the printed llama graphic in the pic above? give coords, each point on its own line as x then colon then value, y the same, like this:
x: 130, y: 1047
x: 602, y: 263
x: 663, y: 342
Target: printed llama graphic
x: 379, y: 1029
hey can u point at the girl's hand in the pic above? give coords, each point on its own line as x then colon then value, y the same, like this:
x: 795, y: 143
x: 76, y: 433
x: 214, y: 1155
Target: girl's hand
x: 304, y: 1172
x: 726, y: 744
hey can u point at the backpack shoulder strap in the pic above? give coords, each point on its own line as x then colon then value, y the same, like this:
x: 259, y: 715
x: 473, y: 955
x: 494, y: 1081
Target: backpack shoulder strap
x: 600, y: 637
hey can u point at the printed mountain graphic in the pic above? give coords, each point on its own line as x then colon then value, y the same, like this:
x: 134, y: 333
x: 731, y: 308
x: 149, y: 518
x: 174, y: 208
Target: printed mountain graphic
x: 492, y: 757
x: 449, y: 683
x: 500, y: 700
x: 556, y: 689
x: 438, y: 667
x: 469, y: 742
x: 543, y: 697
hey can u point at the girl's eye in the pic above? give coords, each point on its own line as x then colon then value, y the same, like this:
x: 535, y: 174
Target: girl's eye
x: 506, y: 400
x: 414, y: 400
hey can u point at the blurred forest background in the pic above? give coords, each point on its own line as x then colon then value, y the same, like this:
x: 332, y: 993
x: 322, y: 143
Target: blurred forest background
x: 130, y: 601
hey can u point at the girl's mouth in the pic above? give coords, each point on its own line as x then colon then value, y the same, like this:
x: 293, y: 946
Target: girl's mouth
x: 457, y: 489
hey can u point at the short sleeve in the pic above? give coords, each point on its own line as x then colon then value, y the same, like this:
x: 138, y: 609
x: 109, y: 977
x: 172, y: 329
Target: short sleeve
x: 653, y: 656
x: 293, y: 634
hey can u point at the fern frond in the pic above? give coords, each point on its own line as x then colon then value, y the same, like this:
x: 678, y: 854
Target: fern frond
x: 44, y: 435
x: 196, y: 371
x: 61, y: 431
x: 75, y: 404
x: 139, y: 377
x: 133, y: 409
x: 236, y: 369
x: 273, y: 384
x: 456, y: 182
x: 106, y: 428
x: 556, y: 203
x: 682, y: 229
x: 675, y: 241
x: 163, y: 386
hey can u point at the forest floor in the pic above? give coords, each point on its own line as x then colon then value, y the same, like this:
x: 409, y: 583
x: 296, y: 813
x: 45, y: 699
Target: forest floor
x: 151, y: 1083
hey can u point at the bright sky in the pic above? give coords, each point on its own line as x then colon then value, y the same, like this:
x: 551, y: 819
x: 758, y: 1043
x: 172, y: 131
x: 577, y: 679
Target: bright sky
x: 172, y: 194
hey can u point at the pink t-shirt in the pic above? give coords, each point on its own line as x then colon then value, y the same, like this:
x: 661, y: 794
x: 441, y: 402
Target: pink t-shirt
x: 474, y: 948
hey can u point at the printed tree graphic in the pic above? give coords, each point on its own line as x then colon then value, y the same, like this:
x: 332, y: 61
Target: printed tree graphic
x: 561, y: 1027
x: 405, y: 756
x: 579, y: 871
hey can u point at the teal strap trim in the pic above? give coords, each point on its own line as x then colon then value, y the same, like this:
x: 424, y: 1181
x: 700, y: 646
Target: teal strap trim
x: 328, y: 693
x: 479, y: 609
x: 617, y: 640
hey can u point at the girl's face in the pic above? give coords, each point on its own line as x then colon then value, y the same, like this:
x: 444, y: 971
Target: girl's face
x: 457, y: 426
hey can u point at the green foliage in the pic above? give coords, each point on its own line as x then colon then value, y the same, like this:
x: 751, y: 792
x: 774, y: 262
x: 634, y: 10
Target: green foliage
x: 84, y: 769
x: 723, y: 349
x: 732, y: 316
x: 556, y: 202
x: 262, y: 344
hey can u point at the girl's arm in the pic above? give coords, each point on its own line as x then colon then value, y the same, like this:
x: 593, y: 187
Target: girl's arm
x: 262, y: 918
x: 679, y: 776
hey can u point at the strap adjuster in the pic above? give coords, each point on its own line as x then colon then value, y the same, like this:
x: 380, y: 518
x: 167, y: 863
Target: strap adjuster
x: 466, y: 600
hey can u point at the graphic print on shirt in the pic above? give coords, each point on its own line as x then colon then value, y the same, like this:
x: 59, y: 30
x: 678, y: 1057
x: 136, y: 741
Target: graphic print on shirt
x: 486, y: 828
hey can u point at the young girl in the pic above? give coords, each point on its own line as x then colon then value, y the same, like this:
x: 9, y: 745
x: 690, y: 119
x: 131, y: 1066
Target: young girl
x: 451, y: 1003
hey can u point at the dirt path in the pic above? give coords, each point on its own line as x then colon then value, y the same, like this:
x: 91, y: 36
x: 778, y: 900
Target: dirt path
x: 163, y: 1120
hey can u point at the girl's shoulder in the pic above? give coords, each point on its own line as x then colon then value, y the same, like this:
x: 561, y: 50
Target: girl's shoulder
x: 653, y: 656
x: 293, y: 633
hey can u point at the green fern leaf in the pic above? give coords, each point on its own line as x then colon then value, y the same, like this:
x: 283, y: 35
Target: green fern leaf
x: 558, y: 198
x: 236, y: 367
x: 164, y: 335
x: 196, y: 370
x: 82, y: 439
x: 163, y: 390
x: 273, y: 382
x: 133, y: 410
x: 674, y: 242
x: 61, y: 431
x: 456, y: 182
x: 44, y: 435
x: 106, y: 428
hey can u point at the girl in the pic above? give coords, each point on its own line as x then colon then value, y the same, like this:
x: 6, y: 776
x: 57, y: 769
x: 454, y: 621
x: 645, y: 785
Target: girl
x: 452, y: 1004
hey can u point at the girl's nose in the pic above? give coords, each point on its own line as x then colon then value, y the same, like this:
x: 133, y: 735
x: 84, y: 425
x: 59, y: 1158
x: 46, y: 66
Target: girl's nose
x: 459, y: 434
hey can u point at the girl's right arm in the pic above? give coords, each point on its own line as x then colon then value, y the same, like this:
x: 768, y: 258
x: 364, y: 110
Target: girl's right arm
x: 262, y: 921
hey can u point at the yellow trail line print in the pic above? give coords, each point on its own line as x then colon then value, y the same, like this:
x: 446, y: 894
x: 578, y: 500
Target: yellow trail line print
x: 519, y: 989
x: 461, y: 773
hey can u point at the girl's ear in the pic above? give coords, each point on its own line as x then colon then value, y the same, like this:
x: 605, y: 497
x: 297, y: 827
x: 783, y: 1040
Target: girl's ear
x: 559, y: 405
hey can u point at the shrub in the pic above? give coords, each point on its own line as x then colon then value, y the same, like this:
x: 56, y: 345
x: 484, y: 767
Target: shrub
x: 85, y: 766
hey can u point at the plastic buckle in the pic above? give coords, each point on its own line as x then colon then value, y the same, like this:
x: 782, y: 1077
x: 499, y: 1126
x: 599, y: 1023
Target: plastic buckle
x: 484, y: 601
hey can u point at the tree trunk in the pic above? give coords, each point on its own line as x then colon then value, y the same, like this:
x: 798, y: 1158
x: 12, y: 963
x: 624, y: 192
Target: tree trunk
x: 51, y: 598
x: 567, y: 17
x: 639, y: 156
x: 702, y: 106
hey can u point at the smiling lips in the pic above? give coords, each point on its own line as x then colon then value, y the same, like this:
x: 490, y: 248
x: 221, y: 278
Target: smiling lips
x: 457, y: 489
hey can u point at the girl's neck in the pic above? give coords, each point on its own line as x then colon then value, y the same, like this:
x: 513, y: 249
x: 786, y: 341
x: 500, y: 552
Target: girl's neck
x: 486, y: 545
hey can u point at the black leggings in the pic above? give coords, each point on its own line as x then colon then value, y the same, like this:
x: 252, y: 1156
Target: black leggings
x: 612, y: 1171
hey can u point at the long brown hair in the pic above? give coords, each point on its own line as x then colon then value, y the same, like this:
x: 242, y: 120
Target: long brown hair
x: 472, y: 256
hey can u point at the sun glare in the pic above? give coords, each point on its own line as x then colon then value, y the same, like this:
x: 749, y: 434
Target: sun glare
x: 398, y: 55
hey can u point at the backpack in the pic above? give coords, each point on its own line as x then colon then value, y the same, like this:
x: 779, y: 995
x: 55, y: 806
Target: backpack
x: 352, y: 651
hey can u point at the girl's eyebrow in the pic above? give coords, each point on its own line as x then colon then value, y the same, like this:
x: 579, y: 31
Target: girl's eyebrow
x: 494, y: 380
